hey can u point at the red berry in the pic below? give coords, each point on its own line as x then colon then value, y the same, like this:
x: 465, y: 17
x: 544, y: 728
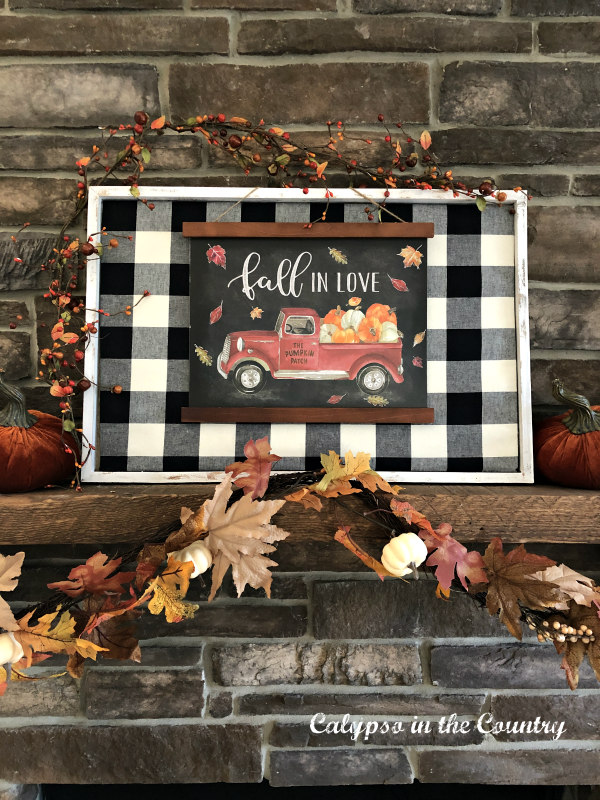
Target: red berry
x: 388, y: 138
x: 12, y: 325
x: 138, y: 128
x: 83, y: 385
x: 380, y: 117
x: 140, y: 117
x: 235, y: 141
x: 285, y: 135
x: 305, y: 190
x: 220, y: 117
x: 151, y: 206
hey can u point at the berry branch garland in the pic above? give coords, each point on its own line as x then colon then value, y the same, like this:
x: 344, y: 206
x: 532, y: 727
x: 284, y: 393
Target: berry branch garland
x: 93, y: 612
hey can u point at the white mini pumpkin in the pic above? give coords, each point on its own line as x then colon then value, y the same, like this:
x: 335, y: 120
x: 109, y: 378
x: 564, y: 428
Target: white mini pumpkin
x: 198, y: 553
x: 389, y: 333
x: 402, y: 552
x: 352, y: 319
x: 324, y: 337
x: 10, y: 650
x: 329, y: 328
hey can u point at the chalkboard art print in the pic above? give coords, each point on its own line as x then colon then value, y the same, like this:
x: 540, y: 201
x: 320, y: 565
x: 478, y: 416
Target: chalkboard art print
x: 325, y: 326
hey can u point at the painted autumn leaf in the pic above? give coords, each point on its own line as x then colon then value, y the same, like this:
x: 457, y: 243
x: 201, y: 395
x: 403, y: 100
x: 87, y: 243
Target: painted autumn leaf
x: 239, y: 537
x: 216, y: 255
x: 425, y: 140
x: 417, y: 361
x: 216, y: 314
x: 573, y: 653
x: 512, y: 585
x: 10, y: 570
x: 252, y: 475
x: 169, y: 589
x: 576, y: 586
x: 335, y: 399
x: 97, y: 576
x: 412, y: 257
x: 398, y: 284
x: 203, y: 355
x: 338, y: 256
x: 450, y: 557
x: 377, y: 400
x: 419, y: 338
x: 256, y: 313
x: 354, y: 301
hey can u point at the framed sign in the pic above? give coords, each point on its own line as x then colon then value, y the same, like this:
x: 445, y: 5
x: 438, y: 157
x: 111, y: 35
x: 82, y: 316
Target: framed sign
x: 276, y: 310
x: 469, y: 370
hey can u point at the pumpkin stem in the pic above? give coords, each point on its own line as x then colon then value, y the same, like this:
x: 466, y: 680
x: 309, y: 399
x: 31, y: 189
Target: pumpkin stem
x: 14, y: 414
x: 583, y: 418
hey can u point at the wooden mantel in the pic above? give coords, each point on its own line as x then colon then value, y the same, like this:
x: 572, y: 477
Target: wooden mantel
x: 121, y: 513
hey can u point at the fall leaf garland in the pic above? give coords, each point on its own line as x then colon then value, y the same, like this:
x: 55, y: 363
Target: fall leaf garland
x: 95, y: 609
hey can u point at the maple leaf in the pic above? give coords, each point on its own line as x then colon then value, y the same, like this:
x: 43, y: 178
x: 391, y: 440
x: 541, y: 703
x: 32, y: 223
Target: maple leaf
x: 306, y: 497
x: 216, y: 255
x: 216, y: 314
x: 252, y: 475
x: 407, y: 512
x: 115, y: 637
x: 239, y: 536
x: 398, y: 284
x: 377, y: 400
x: 50, y: 634
x: 337, y: 255
x: 576, y: 586
x: 97, y: 576
x: 256, y: 313
x: 169, y: 589
x: 10, y: 570
x: 511, y: 585
x: 449, y: 557
x: 203, y: 355
x: 342, y: 535
x: 419, y: 338
x: 334, y: 470
x: 573, y: 653
x: 412, y: 257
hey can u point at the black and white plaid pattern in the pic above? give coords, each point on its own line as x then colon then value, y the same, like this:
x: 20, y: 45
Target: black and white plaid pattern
x: 471, y: 347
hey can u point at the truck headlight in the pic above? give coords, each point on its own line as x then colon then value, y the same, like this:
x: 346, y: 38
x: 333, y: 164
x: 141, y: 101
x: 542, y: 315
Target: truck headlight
x: 241, y: 344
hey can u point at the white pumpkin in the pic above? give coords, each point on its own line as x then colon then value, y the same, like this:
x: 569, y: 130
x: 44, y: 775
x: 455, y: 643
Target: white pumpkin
x: 389, y: 333
x: 352, y: 319
x: 196, y: 552
x: 329, y: 328
x: 324, y: 337
x: 402, y: 553
x: 10, y: 650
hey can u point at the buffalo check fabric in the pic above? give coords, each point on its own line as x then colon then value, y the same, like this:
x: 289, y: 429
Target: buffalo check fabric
x: 471, y: 347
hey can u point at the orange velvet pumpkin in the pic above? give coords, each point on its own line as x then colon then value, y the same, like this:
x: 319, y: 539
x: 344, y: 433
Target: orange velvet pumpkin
x: 32, y: 445
x: 567, y: 447
x: 369, y: 330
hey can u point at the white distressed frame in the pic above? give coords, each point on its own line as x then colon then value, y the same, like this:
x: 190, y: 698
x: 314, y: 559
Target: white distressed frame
x: 517, y: 199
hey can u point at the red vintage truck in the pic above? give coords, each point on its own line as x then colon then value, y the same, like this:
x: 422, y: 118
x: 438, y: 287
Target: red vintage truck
x: 295, y: 350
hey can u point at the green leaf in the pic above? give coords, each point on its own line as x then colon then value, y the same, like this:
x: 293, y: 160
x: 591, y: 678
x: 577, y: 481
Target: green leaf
x: 481, y: 203
x: 68, y: 425
x: 66, y: 315
x: 283, y: 159
x: 121, y: 155
x: 190, y: 121
x: 145, y: 155
x: 134, y: 191
x: 100, y: 249
x: 272, y: 169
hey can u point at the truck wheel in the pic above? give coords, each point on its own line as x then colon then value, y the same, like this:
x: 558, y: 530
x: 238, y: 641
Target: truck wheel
x: 372, y: 379
x: 249, y: 377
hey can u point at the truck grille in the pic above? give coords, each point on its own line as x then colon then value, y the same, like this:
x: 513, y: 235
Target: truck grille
x: 226, y: 349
